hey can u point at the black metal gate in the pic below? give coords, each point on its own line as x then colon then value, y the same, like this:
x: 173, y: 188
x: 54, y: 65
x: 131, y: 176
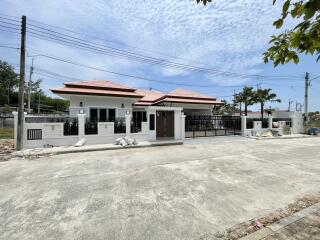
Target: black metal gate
x: 207, y: 126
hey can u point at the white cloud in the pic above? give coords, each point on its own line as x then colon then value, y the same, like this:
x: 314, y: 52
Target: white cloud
x: 225, y: 35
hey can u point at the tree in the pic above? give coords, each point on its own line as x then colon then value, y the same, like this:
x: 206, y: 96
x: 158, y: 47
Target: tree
x: 203, y: 1
x: 247, y: 97
x: 8, y: 81
x: 226, y: 108
x: 238, y: 100
x: 303, y: 38
x: 265, y: 95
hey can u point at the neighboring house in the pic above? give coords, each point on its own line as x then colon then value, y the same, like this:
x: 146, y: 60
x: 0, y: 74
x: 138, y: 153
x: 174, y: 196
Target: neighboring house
x: 102, y: 100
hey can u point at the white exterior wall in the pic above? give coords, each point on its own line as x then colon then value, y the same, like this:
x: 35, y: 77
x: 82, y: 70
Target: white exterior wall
x: 100, y: 102
x: 296, y: 122
x: 53, y: 134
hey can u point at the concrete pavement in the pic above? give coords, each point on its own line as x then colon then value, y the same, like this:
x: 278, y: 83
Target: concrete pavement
x: 175, y: 192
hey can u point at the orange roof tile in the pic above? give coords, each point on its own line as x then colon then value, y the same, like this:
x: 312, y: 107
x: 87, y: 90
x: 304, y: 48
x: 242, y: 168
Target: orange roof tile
x: 188, y: 94
x: 97, y: 92
x: 101, y: 84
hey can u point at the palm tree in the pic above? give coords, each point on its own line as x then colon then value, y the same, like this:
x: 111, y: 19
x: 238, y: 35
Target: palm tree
x: 247, y: 96
x: 238, y: 101
x: 265, y: 95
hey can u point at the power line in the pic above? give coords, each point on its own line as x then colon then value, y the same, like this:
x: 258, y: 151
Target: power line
x: 70, y: 41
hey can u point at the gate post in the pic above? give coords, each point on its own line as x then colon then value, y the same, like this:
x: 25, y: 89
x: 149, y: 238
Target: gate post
x: 243, y: 125
x: 270, y: 120
x: 15, y: 127
x: 128, y: 124
x: 81, y: 125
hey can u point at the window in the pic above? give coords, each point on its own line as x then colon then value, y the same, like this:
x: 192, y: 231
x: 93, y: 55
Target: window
x: 137, y: 118
x: 151, y: 122
x: 102, y: 114
x: 93, y: 114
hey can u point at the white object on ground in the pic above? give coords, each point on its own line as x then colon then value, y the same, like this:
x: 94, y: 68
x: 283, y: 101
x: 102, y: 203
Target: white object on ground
x: 125, y: 141
x: 81, y: 142
x: 117, y: 141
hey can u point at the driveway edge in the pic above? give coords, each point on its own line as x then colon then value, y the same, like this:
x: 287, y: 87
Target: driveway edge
x: 284, y: 222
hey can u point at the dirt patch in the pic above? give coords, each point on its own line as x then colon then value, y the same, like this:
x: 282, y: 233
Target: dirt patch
x: 6, y: 148
x: 246, y: 228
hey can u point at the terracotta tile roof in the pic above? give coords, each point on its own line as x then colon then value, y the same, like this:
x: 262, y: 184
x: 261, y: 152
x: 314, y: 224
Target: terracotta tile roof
x: 189, y: 100
x: 97, y: 92
x: 147, y: 97
x: 150, y: 95
x: 188, y: 94
x: 100, y: 84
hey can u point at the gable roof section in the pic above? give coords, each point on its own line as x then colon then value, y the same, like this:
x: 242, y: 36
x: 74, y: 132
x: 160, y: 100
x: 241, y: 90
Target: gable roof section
x: 100, y: 84
x: 97, y: 88
x: 144, y: 97
x: 182, y: 93
x: 189, y: 97
x: 149, y: 97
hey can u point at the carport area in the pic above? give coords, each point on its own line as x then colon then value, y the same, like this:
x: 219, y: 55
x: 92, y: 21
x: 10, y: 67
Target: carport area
x: 188, y: 191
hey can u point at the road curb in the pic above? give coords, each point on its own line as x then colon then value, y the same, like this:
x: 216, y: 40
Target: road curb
x: 273, y: 228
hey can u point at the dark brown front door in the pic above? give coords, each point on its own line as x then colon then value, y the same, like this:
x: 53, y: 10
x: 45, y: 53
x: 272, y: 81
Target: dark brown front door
x: 165, y: 124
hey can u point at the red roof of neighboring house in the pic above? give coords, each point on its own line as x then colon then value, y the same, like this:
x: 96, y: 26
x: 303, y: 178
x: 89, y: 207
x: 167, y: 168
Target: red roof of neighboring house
x: 147, y: 97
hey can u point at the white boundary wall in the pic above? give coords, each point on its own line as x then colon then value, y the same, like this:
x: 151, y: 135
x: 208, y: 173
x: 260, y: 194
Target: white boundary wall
x: 297, y: 124
x: 53, y: 133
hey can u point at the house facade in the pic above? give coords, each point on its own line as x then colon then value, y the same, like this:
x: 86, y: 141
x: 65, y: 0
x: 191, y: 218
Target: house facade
x: 104, y: 99
x: 102, y: 111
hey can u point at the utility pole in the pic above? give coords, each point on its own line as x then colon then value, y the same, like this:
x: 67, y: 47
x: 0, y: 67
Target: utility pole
x: 290, y: 102
x: 306, y: 95
x: 21, y: 84
x: 29, y: 88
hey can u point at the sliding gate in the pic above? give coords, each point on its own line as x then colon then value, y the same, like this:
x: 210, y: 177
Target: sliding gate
x: 209, y: 126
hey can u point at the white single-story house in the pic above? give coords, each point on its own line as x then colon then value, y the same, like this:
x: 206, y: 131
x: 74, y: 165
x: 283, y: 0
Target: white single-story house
x: 102, y: 111
x: 104, y: 99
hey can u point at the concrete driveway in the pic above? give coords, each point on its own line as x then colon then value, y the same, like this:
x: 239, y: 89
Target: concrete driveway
x: 189, y: 191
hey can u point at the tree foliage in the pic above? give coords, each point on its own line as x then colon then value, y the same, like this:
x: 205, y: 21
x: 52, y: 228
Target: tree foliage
x: 247, y: 97
x: 303, y: 38
x: 262, y: 96
x: 8, y: 82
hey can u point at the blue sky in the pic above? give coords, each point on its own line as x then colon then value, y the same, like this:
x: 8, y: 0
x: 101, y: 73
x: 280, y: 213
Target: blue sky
x: 227, y: 35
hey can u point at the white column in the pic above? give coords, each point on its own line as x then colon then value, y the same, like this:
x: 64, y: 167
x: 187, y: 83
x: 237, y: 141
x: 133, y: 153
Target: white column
x: 270, y: 120
x: 15, y: 127
x: 243, y: 125
x: 183, y: 124
x: 128, y: 125
x: 81, y: 123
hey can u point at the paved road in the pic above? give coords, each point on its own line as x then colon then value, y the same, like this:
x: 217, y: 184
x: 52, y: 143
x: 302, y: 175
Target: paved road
x: 175, y: 192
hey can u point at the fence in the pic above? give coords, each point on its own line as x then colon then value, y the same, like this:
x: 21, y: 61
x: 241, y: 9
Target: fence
x: 207, y: 125
x: 6, y: 120
x: 264, y: 122
x: 284, y: 126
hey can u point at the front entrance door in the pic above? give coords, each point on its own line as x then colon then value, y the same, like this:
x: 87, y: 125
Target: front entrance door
x: 165, y: 124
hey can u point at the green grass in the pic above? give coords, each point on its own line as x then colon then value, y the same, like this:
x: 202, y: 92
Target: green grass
x: 6, y: 133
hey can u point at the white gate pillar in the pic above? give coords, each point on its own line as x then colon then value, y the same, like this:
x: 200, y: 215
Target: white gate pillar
x: 128, y: 124
x: 15, y: 127
x: 243, y: 125
x: 270, y: 120
x: 81, y: 125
